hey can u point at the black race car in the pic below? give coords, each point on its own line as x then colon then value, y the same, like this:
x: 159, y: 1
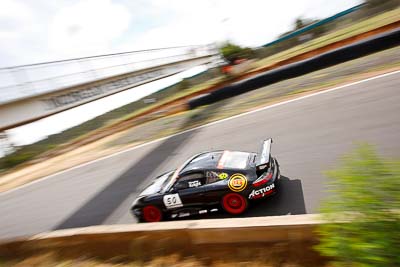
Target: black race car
x: 207, y: 181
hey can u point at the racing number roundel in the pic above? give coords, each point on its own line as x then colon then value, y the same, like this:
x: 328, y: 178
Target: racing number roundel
x: 237, y: 182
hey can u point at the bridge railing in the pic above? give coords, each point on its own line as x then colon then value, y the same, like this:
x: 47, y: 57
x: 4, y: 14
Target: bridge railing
x: 28, y: 80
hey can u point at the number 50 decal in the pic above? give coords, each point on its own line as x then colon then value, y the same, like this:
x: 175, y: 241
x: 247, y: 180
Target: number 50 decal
x: 172, y: 201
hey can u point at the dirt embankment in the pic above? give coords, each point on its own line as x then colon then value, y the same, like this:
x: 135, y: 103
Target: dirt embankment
x: 300, y: 254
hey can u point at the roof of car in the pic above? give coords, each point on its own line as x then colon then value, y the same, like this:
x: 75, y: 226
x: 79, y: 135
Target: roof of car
x: 218, y: 160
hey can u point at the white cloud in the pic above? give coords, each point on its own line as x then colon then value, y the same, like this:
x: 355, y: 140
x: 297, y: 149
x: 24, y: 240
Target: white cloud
x: 41, y: 30
x: 250, y: 23
x: 14, y: 11
x: 17, y: 22
x: 24, y: 31
x: 88, y: 27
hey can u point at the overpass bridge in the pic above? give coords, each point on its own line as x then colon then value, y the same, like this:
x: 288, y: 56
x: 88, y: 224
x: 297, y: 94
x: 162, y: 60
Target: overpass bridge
x: 31, y: 92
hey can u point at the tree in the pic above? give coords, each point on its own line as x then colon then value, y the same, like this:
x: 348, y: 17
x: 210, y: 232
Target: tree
x: 298, y: 24
x: 232, y: 52
x: 362, y: 212
x: 301, y: 23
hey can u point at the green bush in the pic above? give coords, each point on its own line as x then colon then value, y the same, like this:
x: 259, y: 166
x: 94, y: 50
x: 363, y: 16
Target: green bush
x: 364, y: 197
x: 16, y: 158
x: 232, y: 52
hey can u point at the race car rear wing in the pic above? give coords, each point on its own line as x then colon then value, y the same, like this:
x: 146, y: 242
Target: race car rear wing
x: 264, y: 157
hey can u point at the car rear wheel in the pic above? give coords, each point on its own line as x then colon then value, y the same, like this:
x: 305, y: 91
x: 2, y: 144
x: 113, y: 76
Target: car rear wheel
x: 234, y: 203
x: 152, y: 214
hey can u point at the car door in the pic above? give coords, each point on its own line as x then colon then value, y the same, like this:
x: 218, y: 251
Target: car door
x: 215, y: 186
x: 188, y: 189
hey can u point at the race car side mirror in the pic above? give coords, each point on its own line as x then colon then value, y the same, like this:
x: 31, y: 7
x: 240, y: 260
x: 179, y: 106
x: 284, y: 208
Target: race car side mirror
x: 173, y: 190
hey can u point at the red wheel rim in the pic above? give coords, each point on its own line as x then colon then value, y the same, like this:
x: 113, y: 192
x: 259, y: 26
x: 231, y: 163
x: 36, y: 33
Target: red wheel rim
x: 234, y: 203
x: 151, y: 214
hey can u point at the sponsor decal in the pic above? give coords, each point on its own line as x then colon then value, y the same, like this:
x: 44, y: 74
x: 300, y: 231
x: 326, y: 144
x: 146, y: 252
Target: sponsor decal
x: 237, y: 182
x: 172, y: 201
x: 214, y: 210
x: 223, y: 175
x: 262, y: 192
x: 202, y: 211
x: 194, y: 183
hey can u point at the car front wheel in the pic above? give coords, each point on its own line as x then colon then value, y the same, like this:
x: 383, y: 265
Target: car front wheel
x: 152, y: 214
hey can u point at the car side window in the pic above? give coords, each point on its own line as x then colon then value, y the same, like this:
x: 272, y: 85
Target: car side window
x: 213, y: 176
x: 190, y: 181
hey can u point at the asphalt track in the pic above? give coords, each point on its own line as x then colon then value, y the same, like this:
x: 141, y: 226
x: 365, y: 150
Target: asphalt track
x: 310, y: 135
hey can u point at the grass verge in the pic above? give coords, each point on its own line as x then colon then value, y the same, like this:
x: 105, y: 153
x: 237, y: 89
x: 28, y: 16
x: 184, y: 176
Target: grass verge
x: 350, y: 31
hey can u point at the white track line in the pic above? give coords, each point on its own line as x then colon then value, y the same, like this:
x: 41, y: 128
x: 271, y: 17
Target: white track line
x: 199, y: 127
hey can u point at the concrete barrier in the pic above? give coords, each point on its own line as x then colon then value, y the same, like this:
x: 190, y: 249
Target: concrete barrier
x: 141, y: 241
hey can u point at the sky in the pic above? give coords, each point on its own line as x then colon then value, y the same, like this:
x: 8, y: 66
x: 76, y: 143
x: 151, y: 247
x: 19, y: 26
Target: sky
x: 40, y: 31
x: 44, y: 30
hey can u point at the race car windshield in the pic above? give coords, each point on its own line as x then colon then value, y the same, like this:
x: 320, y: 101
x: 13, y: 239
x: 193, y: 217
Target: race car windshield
x: 167, y: 183
x: 203, y: 161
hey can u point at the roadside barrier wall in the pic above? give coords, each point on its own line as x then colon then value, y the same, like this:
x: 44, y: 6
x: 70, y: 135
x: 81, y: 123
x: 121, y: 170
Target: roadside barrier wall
x: 141, y: 241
